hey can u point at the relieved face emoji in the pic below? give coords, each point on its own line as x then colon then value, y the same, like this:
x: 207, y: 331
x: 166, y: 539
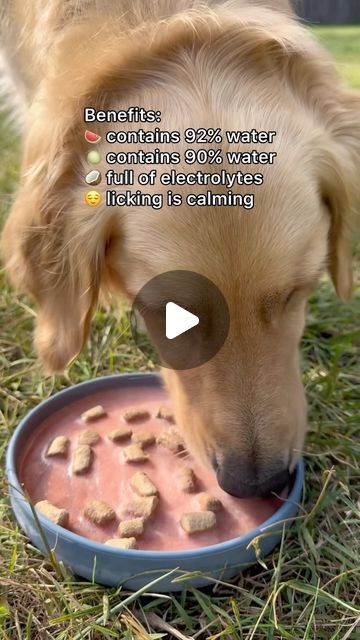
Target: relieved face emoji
x: 93, y: 198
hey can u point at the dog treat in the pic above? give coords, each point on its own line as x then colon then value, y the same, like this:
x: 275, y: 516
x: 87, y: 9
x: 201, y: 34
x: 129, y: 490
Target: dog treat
x: 186, y: 480
x: 141, y: 484
x: 58, y: 447
x: 142, y: 507
x: 118, y: 435
x: 99, y: 512
x: 82, y: 459
x: 198, y: 521
x: 94, y: 413
x: 171, y: 440
x: 122, y: 543
x: 144, y: 438
x: 135, y: 453
x: 59, y: 516
x: 136, y: 414
x: 131, y: 528
x: 208, y: 502
x: 89, y: 436
x: 166, y: 414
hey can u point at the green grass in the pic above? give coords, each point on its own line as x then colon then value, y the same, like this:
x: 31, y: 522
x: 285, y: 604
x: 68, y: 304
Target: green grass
x: 343, y: 42
x: 307, y: 590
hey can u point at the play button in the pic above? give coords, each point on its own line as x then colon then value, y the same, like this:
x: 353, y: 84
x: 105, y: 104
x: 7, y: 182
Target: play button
x: 180, y: 319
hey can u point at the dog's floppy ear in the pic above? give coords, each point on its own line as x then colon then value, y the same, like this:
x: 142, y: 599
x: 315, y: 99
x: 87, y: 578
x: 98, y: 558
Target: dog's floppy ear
x: 335, y: 192
x: 341, y: 187
x: 37, y: 262
x: 333, y: 111
x: 336, y: 113
x: 54, y: 246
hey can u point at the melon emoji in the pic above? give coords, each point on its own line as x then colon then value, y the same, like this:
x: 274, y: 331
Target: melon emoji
x: 92, y: 137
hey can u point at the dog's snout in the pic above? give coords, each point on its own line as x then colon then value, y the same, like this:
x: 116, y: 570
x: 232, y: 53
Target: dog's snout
x: 244, y: 479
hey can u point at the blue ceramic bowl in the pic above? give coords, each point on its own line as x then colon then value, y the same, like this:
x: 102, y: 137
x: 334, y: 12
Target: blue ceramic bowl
x: 135, y: 568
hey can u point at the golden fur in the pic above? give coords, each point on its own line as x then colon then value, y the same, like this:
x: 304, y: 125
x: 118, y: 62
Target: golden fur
x: 235, y: 64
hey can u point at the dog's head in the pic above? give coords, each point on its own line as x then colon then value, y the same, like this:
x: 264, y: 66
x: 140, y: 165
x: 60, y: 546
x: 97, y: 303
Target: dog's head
x: 244, y: 412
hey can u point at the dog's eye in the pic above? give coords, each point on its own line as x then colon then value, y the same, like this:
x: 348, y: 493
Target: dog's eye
x: 291, y: 299
x: 291, y: 295
x: 275, y: 304
x: 296, y: 296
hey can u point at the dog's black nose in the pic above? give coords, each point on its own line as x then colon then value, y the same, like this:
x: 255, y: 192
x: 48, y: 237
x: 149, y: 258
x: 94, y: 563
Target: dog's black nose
x: 245, y: 480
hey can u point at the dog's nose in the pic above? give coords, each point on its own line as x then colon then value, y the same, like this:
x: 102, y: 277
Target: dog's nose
x: 242, y: 479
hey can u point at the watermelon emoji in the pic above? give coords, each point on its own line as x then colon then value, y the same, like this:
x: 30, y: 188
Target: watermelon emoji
x: 91, y: 137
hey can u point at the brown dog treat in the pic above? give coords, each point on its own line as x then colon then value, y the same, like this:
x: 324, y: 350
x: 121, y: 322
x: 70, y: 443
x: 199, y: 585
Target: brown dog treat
x: 82, y: 459
x: 122, y: 543
x: 198, y: 521
x: 99, y: 512
x: 59, y: 516
x: 89, y: 436
x: 208, y: 502
x: 58, y: 447
x: 142, y: 507
x: 136, y: 414
x: 95, y: 413
x: 171, y: 440
x: 141, y: 484
x: 117, y: 435
x: 131, y: 528
x: 186, y: 480
x: 135, y: 453
x: 145, y: 438
x: 165, y: 413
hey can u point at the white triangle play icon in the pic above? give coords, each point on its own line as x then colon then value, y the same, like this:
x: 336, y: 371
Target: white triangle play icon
x: 178, y: 320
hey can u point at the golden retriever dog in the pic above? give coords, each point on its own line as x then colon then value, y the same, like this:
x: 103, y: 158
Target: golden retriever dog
x: 234, y: 64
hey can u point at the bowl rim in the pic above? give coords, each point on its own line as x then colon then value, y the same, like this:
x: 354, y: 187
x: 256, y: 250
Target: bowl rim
x: 279, y: 517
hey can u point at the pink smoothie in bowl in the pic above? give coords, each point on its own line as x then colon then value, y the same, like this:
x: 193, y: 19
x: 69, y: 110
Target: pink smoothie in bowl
x: 108, y: 479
